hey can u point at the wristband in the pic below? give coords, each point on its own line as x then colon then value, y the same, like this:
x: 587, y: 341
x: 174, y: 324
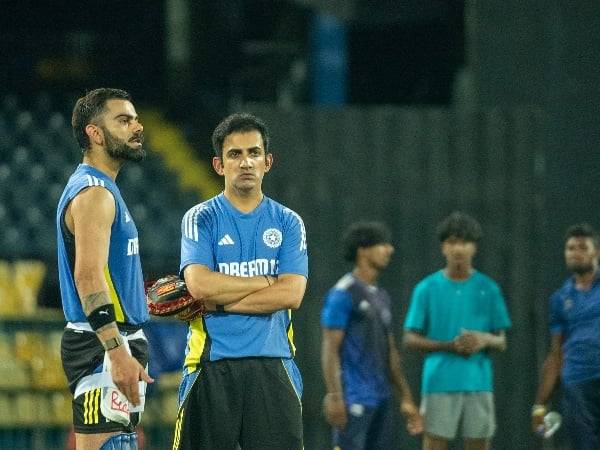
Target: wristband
x: 538, y: 410
x: 267, y: 278
x: 102, y: 316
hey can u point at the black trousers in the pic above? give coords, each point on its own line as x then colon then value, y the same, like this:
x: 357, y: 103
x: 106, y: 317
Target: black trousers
x: 253, y: 402
x: 581, y: 408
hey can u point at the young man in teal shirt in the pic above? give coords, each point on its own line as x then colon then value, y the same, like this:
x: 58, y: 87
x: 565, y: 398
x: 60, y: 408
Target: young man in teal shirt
x: 456, y: 316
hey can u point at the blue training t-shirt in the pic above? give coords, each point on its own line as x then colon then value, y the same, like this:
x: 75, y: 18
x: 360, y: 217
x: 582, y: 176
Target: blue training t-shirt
x: 363, y: 312
x: 123, y: 273
x: 440, y: 308
x: 576, y: 315
x: 271, y: 240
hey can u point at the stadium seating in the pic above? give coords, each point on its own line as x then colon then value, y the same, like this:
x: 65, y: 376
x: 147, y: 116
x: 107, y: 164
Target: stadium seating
x: 37, y: 155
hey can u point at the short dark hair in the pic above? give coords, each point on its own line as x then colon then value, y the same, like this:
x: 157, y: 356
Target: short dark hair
x: 459, y: 225
x: 364, y: 234
x: 585, y: 230
x: 239, y: 123
x: 88, y: 108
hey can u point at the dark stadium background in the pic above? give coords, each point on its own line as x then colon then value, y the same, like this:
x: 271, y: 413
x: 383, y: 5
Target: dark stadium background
x: 394, y: 110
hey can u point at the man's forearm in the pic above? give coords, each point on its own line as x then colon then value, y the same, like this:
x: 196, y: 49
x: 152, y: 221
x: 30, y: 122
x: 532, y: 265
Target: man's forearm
x: 330, y: 364
x: 415, y: 341
x: 283, y: 294
x: 495, y: 341
x: 400, y: 383
x: 223, y: 289
x: 549, y: 378
x: 232, y: 293
x: 105, y: 326
x: 94, y: 301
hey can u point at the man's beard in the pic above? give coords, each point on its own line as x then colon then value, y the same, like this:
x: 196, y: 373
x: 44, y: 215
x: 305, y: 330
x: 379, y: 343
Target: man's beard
x: 581, y: 268
x: 118, y: 148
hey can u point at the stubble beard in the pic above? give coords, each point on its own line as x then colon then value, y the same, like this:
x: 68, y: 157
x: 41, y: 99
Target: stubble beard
x: 246, y: 187
x: 580, y: 268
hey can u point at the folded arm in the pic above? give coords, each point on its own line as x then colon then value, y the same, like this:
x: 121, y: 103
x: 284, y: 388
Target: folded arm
x: 221, y: 289
x: 466, y: 344
x: 286, y: 292
x: 470, y: 341
x: 416, y: 341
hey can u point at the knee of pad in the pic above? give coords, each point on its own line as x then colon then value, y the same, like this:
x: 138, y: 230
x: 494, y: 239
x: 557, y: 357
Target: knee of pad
x: 122, y: 441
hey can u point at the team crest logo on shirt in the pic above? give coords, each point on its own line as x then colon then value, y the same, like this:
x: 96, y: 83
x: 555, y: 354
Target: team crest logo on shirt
x: 272, y: 237
x: 568, y: 304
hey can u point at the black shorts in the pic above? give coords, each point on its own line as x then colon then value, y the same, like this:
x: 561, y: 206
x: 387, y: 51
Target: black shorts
x: 82, y: 355
x: 251, y: 401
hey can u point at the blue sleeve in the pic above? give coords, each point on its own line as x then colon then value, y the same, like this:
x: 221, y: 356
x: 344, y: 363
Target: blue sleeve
x: 336, y: 310
x: 500, y: 319
x: 196, y: 238
x: 416, y: 317
x: 557, y: 324
x: 293, y: 256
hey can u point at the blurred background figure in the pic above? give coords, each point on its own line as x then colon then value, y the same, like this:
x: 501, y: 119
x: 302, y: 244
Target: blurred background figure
x: 359, y: 358
x: 574, y: 356
x: 456, y: 316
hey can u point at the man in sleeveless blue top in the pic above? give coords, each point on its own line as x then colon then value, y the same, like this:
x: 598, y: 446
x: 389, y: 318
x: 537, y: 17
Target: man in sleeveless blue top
x: 103, y: 348
x: 359, y: 356
x: 456, y: 317
x: 574, y: 355
x: 245, y: 255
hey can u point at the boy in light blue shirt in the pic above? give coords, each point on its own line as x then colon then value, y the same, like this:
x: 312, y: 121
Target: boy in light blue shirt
x: 456, y: 315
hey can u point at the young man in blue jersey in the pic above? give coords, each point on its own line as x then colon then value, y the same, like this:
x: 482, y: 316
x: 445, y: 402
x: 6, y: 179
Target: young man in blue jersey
x: 574, y: 355
x: 100, y: 276
x: 457, y: 315
x: 245, y: 255
x: 359, y: 357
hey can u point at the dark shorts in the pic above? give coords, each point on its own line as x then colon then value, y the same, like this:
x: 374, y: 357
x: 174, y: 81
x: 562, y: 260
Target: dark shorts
x: 367, y: 428
x: 251, y: 401
x: 82, y: 355
x: 581, y: 409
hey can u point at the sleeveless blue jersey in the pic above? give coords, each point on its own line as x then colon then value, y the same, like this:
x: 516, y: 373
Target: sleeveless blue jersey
x: 363, y: 312
x: 271, y: 240
x: 123, y: 272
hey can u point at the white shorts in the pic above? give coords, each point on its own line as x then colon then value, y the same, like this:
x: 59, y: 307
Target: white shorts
x: 469, y: 414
